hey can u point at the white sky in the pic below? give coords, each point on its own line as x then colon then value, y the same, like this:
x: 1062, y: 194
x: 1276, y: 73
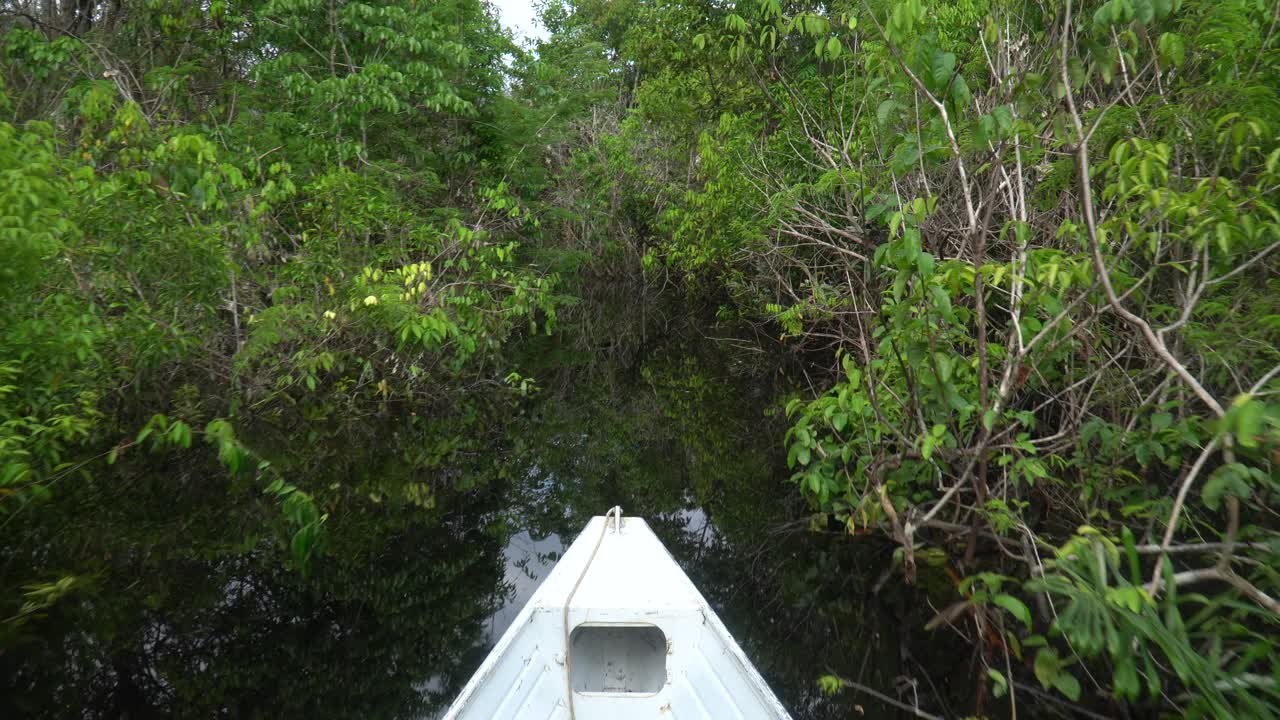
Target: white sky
x: 520, y: 17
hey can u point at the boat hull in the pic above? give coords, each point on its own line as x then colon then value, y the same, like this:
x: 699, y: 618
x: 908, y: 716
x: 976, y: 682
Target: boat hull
x: 642, y: 642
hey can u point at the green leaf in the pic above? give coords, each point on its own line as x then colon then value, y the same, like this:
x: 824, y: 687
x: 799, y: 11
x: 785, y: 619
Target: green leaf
x: 945, y: 367
x: 1173, y: 49
x: 1248, y: 422
x: 942, y: 301
x: 985, y: 132
x: 960, y: 91
x: 802, y: 455
x: 1001, y: 684
x: 830, y: 684
x: 884, y: 109
x: 1131, y: 556
x: 943, y: 67
x: 1114, y: 12
x: 1077, y: 72
x: 901, y: 22
x: 925, y: 264
x: 1125, y: 678
x: 1047, y: 667
x: 1142, y: 453
x: 1230, y: 479
x: 1102, y: 16
x: 1144, y: 10
x: 1067, y: 684
x: 1015, y: 606
x: 302, y: 545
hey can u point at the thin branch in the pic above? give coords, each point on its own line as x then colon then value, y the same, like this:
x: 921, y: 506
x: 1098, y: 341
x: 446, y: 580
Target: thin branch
x: 891, y: 701
x: 1095, y: 245
x: 1178, y: 502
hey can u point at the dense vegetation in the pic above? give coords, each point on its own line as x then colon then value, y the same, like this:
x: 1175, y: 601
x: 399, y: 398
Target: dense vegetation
x: 1019, y: 257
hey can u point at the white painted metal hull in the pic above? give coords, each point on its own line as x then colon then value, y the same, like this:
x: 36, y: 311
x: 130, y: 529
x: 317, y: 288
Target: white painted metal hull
x: 626, y: 596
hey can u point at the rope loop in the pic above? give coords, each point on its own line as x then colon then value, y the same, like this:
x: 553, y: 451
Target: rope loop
x: 616, y: 513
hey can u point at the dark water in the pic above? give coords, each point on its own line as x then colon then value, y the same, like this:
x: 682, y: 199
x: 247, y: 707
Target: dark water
x: 190, y: 615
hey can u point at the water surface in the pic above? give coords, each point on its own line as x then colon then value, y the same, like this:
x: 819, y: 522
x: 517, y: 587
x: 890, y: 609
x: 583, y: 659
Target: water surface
x: 193, y: 616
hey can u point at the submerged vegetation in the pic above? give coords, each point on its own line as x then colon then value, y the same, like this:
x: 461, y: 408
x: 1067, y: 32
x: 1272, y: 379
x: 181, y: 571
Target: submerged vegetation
x: 292, y: 287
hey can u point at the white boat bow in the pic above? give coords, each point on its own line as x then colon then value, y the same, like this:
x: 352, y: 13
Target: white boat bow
x: 617, y: 631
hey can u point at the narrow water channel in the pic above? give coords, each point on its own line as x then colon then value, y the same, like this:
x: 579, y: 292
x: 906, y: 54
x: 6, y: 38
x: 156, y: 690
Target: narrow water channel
x: 690, y: 441
x: 404, y: 603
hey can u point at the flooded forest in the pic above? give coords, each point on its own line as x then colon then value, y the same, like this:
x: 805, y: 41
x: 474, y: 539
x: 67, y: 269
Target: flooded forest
x: 937, y: 340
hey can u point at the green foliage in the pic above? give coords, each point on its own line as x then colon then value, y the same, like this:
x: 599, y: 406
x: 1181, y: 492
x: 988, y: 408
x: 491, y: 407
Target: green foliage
x: 892, y: 191
x: 276, y: 215
x: 1108, y: 611
x: 1024, y: 260
x: 48, y: 388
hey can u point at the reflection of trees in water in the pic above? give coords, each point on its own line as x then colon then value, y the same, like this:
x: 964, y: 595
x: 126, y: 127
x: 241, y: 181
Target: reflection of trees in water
x: 195, y: 612
x: 193, y: 615
x: 802, y: 605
